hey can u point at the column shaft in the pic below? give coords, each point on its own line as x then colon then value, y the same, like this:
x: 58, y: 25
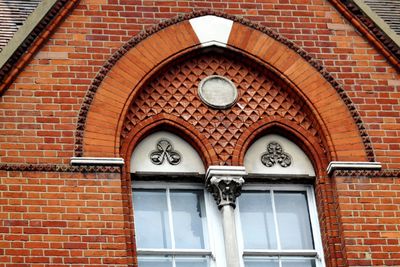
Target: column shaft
x: 225, y: 184
x: 230, y: 237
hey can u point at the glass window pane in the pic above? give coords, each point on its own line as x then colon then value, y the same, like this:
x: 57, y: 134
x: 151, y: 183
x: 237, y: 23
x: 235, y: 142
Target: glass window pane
x: 155, y: 261
x: 298, y: 263
x: 187, y: 214
x: 293, y: 220
x: 192, y: 262
x: 151, y: 219
x: 260, y: 262
x: 257, y: 220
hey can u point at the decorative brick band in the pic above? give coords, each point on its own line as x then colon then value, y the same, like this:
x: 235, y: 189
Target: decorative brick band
x: 260, y: 95
x: 59, y: 168
x: 342, y: 165
x: 142, y: 36
x: 97, y: 161
x: 394, y: 173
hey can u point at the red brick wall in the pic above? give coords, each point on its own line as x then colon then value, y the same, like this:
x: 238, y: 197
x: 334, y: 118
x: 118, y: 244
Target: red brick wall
x: 369, y: 211
x: 62, y: 219
x: 39, y: 110
x: 72, y: 218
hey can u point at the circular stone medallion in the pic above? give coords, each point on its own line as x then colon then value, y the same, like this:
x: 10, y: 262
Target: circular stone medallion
x: 217, y: 91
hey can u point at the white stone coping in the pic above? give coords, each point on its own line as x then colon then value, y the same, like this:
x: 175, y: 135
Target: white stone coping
x: 353, y: 165
x: 96, y: 161
x: 23, y: 32
x: 232, y: 171
x: 378, y: 21
x: 212, y: 30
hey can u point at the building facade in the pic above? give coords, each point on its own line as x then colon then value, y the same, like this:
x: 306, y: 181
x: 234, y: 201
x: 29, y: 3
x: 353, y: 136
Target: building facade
x: 201, y: 133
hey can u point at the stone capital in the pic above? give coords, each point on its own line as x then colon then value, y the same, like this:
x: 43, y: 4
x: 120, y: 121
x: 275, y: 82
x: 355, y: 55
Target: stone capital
x: 225, y: 183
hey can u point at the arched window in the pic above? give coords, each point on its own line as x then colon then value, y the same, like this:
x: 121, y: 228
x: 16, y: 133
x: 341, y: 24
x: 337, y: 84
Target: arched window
x: 177, y: 223
x: 176, y: 220
x: 278, y: 223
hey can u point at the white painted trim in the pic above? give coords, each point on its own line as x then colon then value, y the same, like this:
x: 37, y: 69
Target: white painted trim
x: 272, y: 252
x: 170, y: 219
x: 315, y: 226
x: 316, y: 253
x: 231, y: 171
x: 353, y: 165
x: 213, y: 43
x: 96, y: 161
x: 165, y: 184
x: 214, y: 246
x: 212, y: 30
x: 174, y: 252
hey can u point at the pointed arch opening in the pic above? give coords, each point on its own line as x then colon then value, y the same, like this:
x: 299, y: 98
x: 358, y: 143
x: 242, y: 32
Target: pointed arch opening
x: 263, y: 96
x: 122, y: 79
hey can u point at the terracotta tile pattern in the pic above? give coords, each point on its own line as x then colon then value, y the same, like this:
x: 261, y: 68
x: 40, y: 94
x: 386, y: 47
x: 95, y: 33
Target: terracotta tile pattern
x: 59, y: 168
x: 174, y: 92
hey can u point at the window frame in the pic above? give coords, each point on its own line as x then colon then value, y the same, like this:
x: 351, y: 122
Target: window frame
x: 316, y: 253
x: 214, y: 236
x: 215, y: 251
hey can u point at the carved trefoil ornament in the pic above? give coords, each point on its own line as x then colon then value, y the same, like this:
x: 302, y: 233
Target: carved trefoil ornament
x: 275, y: 155
x: 165, y: 151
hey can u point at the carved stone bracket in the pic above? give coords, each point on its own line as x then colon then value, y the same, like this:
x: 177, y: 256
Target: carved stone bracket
x: 225, y: 184
x: 225, y: 190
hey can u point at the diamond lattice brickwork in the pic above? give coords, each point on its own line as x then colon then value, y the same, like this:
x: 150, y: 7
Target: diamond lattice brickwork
x: 174, y: 91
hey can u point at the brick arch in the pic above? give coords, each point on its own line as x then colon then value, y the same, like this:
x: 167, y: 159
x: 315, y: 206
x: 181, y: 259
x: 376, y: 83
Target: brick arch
x: 118, y: 83
x: 306, y: 141
x: 173, y: 90
x: 172, y: 124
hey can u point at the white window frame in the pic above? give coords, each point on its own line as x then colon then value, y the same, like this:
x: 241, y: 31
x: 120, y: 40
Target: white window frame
x: 316, y: 253
x: 215, y: 251
x: 213, y: 238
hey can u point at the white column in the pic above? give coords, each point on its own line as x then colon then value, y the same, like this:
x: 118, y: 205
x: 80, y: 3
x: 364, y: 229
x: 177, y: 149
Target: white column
x: 225, y: 184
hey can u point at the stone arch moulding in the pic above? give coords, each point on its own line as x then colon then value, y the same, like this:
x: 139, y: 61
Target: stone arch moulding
x: 120, y: 79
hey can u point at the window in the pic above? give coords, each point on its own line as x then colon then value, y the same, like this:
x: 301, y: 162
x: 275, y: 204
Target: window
x: 178, y: 225
x: 173, y: 225
x: 278, y: 226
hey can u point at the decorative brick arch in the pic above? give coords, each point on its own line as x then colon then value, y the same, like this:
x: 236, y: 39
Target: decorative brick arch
x: 174, y: 125
x: 261, y: 95
x: 106, y: 105
x: 306, y: 141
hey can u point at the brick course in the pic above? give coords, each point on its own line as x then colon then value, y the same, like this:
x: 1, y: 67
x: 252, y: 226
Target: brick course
x: 369, y: 211
x: 366, y: 76
x: 62, y: 219
x: 84, y: 218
